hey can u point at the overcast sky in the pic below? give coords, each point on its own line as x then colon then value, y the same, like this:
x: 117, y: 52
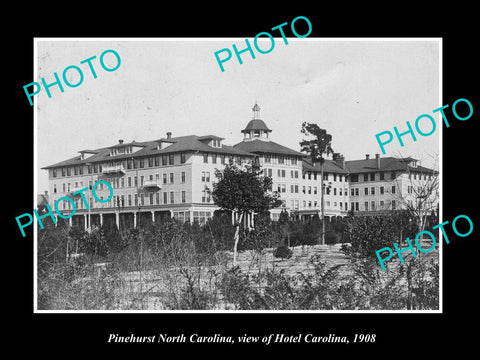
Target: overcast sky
x: 353, y: 89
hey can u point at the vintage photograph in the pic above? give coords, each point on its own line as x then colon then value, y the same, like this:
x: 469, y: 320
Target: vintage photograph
x: 167, y: 183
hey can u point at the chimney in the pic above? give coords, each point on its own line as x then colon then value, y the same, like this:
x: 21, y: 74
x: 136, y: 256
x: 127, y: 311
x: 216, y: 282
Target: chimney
x: 169, y: 135
x: 120, y: 141
x: 339, y: 159
x: 367, y: 156
x: 377, y: 157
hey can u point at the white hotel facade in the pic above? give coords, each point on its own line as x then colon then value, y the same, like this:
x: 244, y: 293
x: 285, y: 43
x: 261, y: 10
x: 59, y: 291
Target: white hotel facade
x: 172, y: 176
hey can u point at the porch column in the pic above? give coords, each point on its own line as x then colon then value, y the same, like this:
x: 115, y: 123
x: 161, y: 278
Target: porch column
x: 153, y: 216
x: 101, y: 220
x: 134, y: 219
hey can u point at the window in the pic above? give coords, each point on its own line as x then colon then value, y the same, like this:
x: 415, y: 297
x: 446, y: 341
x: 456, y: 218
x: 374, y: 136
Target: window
x: 165, y: 178
x: 315, y: 190
x: 69, y: 170
x: 183, y: 176
x: 356, y: 191
x: 214, y: 158
x: 183, y: 197
x: 205, y: 158
x: 270, y: 172
x: 393, y: 205
x: 129, y: 182
x: 392, y: 175
x: 352, y: 191
x: 372, y: 176
x: 141, y: 180
x: 366, y: 205
x: 365, y: 177
x: 150, y: 177
x: 75, y: 170
x: 222, y: 159
x: 142, y: 163
x: 382, y: 176
x: 366, y: 191
x: 354, y: 178
x: 294, y: 162
x: 352, y: 206
x: 164, y: 160
x: 334, y: 191
x: 182, y: 158
x: 340, y: 191
x: 171, y: 159
x: 268, y: 158
x: 122, y: 182
x: 171, y: 178
x: 64, y: 172
x: 393, y: 189
x: 151, y: 198
x: 382, y: 190
x: 203, y: 176
x: 281, y: 160
x: 54, y: 172
x: 129, y: 164
x: 304, y: 189
x: 382, y: 204
x: 157, y: 198
x: 150, y: 162
x: 142, y: 199
x: 136, y: 199
x: 284, y: 188
x: 129, y: 197
x: 172, y: 197
x: 201, y: 217
x: 165, y: 197
x: 309, y: 189
x: 157, y: 161
x: 373, y: 205
x: 372, y: 190
x: 54, y: 188
x: 157, y: 178
x: 357, y: 206
x: 207, y: 176
x: 314, y: 176
x: 309, y: 176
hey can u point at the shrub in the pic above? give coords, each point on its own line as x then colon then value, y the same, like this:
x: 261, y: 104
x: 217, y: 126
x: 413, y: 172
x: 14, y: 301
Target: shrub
x: 331, y: 238
x: 283, y: 252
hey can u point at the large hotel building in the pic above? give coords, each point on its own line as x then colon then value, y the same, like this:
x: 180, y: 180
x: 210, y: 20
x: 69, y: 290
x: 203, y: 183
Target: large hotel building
x: 172, y: 176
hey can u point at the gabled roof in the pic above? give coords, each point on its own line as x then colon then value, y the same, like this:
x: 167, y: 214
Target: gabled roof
x: 329, y: 166
x: 266, y: 147
x: 179, y: 144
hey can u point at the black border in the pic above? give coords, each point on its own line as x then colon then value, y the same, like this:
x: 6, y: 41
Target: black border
x: 87, y: 333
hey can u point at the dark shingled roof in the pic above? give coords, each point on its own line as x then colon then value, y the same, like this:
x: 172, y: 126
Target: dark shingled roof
x: 179, y: 144
x: 329, y: 166
x: 265, y: 147
x: 256, y: 124
x: 386, y: 164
